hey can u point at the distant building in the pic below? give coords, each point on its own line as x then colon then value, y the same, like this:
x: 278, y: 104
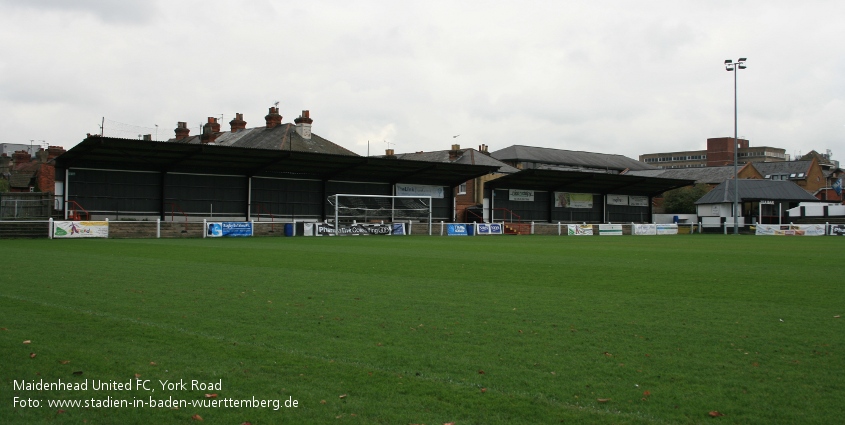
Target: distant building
x: 760, y: 201
x: 719, y: 152
x: 531, y: 157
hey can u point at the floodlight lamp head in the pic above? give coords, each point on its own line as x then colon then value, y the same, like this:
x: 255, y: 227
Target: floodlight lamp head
x: 742, y: 59
x: 728, y: 61
x: 729, y: 68
x: 741, y: 66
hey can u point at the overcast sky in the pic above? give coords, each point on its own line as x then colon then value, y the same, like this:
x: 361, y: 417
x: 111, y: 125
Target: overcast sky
x: 616, y: 77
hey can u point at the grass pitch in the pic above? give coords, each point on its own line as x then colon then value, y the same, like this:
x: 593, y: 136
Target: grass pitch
x: 397, y: 330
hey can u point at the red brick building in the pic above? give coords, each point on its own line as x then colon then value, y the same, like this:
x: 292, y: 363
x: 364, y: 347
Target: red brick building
x: 27, y: 174
x: 719, y: 152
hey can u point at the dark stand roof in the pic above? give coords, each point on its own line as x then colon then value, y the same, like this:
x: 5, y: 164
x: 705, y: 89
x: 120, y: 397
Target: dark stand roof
x: 144, y: 155
x: 757, y: 190
x: 576, y: 181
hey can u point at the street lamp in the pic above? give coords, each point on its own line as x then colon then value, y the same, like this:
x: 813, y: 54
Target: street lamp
x: 734, y: 66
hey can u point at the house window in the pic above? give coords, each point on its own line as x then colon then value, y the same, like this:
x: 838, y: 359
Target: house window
x: 462, y: 189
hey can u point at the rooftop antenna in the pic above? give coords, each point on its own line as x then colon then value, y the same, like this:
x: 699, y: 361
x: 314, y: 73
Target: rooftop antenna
x: 156, y: 132
x: 389, y: 143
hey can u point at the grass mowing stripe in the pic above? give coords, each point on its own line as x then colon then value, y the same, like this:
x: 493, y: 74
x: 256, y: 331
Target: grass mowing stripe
x: 674, y: 315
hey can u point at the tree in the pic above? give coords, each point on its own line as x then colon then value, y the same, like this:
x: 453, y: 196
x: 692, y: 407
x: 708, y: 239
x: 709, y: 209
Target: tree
x: 682, y: 200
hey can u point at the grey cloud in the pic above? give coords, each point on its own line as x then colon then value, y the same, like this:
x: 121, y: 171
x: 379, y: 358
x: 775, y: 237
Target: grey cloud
x: 108, y: 11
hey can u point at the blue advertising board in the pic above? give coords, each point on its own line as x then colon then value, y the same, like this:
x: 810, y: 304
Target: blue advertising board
x: 457, y: 229
x: 229, y: 229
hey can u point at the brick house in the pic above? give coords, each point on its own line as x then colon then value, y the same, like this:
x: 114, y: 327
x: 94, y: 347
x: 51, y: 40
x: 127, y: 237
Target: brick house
x: 273, y: 135
x: 28, y: 174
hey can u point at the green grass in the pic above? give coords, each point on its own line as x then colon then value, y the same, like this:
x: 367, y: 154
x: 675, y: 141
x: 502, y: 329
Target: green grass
x: 431, y: 330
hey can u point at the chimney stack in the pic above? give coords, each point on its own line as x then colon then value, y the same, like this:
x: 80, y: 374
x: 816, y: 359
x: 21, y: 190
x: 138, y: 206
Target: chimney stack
x: 303, y: 125
x: 182, y: 130
x: 483, y: 149
x: 273, y: 118
x: 388, y: 153
x: 210, y: 130
x: 238, y: 123
x: 54, y: 151
x: 21, y: 157
x: 148, y: 137
x: 42, y: 156
x: 455, y: 152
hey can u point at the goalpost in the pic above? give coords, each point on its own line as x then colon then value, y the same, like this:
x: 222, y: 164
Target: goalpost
x: 389, y: 208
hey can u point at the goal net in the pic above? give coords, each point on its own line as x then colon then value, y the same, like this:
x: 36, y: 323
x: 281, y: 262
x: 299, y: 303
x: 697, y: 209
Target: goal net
x: 387, y: 208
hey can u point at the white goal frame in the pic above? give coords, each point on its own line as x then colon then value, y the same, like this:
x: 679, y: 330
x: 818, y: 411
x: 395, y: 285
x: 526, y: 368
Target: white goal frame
x: 392, y: 198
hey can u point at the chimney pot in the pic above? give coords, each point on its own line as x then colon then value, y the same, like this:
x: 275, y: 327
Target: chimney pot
x: 182, y: 130
x: 453, y: 154
x: 303, y: 125
x: 273, y: 118
x: 210, y: 131
x: 21, y: 157
x: 238, y: 123
x: 55, y: 151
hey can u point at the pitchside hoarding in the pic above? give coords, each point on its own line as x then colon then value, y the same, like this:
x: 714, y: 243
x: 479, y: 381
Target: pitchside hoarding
x: 80, y: 229
x: 456, y: 230
x: 229, y: 229
x: 667, y: 229
x: 488, y: 229
x: 579, y: 229
x: 610, y: 230
x: 837, y: 229
x: 790, y: 230
x: 644, y: 229
x: 323, y: 229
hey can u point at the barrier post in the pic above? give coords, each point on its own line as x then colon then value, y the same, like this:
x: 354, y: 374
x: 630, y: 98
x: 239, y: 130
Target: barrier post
x: 204, y: 228
x: 558, y: 228
x: 50, y: 230
x: 532, y: 227
x: 158, y: 228
x: 441, y: 227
